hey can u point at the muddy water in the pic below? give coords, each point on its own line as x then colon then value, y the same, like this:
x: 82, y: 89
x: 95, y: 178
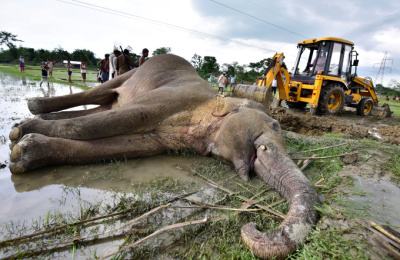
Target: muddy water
x: 381, y: 200
x: 25, y: 198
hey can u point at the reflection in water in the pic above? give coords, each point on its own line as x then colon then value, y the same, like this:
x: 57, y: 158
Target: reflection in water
x: 31, y: 195
x: 382, y: 200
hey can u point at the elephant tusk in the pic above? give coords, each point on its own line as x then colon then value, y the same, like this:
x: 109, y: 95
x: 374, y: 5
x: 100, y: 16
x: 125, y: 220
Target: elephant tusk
x: 262, y: 147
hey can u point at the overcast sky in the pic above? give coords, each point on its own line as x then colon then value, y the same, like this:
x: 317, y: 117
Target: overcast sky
x: 236, y: 30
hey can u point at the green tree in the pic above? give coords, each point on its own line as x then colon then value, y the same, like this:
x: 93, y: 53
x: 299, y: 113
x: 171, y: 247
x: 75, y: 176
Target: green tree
x: 59, y: 54
x: 86, y: 55
x: 162, y: 50
x: 209, y: 65
x: 394, y: 84
x: 8, y: 39
x: 197, y: 62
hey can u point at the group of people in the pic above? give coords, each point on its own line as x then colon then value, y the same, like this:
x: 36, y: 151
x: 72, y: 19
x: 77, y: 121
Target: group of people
x: 118, y: 63
x: 224, y: 80
x: 47, y: 71
x: 394, y: 98
x: 109, y: 67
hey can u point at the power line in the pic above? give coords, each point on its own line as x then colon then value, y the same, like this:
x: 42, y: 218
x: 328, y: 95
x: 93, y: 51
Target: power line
x: 132, y: 16
x: 277, y: 26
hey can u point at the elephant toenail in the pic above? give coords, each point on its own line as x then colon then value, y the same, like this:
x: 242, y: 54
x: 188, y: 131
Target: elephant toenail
x: 16, y: 153
x: 14, y: 134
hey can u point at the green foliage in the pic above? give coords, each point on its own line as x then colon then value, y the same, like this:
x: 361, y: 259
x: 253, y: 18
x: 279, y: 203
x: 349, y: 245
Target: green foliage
x: 37, y: 56
x: 162, y: 50
x: 8, y: 39
x: 210, y: 65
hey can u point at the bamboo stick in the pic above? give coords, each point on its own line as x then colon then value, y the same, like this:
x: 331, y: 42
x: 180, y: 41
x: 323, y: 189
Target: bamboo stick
x: 397, y: 240
x: 317, y: 149
x: 240, y: 196
x: 166, y: 228
x: 326, y: 157
x: 308, y: 161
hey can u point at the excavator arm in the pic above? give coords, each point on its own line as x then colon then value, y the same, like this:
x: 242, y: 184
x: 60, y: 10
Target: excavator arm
x: 276, y: 71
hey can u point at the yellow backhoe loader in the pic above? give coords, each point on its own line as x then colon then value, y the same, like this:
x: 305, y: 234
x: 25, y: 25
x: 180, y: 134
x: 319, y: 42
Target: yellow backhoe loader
x: 322, y: 76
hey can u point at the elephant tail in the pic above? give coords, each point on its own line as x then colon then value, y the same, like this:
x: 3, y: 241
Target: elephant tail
x: 290, y: 234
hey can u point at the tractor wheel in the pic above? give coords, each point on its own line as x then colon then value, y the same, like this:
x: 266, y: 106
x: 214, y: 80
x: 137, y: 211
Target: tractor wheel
x: 331, y: 100
x: 296, y: 105
x: 365, y: 106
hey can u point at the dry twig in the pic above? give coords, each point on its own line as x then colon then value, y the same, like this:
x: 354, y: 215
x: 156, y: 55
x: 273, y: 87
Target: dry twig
x: 317, y: 149
x: 326, y: 157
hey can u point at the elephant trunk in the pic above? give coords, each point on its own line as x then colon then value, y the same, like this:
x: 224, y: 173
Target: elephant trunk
x: 279, y: 171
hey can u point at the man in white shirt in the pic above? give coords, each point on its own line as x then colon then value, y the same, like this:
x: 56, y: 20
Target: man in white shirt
x: 112, y: 61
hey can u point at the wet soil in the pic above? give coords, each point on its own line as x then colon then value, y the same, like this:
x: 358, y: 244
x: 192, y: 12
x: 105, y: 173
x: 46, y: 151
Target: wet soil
x: 61, y: 189
x: 346, y: 124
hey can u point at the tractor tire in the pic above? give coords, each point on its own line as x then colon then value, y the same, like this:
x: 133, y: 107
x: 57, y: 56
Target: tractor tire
x: 296, y: 105
x: 365, y: 106
x: 331, y: 100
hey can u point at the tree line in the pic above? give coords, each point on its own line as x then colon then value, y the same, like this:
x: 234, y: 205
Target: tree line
x: 246, y: 72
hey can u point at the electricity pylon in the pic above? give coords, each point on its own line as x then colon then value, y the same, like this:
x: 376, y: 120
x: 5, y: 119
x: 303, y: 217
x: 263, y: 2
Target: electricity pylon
x: 381, y: 71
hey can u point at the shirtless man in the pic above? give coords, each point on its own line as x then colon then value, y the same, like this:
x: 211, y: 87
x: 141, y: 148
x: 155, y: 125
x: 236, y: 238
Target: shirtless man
x: 142, y: 59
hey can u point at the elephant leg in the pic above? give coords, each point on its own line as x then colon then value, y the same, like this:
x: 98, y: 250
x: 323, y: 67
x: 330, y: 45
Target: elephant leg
x: 72, y: 114
x: 128, y: 119
x: 36, y: 150
x: 101, y: 95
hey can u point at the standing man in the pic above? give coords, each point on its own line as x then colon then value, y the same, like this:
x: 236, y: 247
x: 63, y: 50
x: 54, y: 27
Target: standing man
x: 233, y: 81
x: 44, y: 74
x: 69, y: 69
x: 274, y: 86
x: 112, y: 60
x: 212, y: 78
x: 124, y: 63
x: 103, y: 68
x: 221, y: 83
x: 21, y: 63
x: 145, y: 53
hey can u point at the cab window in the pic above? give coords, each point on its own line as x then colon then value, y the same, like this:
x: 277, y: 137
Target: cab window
x: 335, y: 59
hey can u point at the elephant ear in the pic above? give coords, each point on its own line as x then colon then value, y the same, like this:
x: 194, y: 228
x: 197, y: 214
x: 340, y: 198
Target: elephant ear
x: 225, y: 105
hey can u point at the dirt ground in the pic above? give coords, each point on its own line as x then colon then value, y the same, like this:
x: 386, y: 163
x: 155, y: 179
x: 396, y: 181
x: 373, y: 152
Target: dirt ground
x: 370, y: 164
x: 346, y: 123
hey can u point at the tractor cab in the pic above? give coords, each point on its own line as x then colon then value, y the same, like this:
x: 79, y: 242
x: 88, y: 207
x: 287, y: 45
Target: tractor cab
x: 327, y: 56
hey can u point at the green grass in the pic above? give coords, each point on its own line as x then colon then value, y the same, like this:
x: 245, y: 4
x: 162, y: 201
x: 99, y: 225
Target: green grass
x: 59, y: 74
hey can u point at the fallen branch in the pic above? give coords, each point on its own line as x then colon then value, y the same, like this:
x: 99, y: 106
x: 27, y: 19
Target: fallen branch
x: 308, y: 161
x: 82, y: 222
x: 393, y: 243
x: 166, y: 228
x: 397, y: 240
x: 319, y: 181
x: 326, y: 157
x: 208, y: 207
x: 317, y: 149
x: 210, y: 182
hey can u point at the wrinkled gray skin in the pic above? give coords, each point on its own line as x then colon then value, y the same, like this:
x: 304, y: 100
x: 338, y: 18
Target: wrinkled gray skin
x: 164, y: 105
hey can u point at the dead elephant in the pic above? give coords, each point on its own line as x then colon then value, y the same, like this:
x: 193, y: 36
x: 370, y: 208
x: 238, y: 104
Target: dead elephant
x: 165, y: 105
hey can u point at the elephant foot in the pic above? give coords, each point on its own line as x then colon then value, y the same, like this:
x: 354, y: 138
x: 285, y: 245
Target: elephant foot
x: 15, y: 134
x: 36, y: 105
x: 29, y: 153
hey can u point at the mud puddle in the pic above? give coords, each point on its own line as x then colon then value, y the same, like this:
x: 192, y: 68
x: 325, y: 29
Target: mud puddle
x: 45, y: 196
x: 381, y: 199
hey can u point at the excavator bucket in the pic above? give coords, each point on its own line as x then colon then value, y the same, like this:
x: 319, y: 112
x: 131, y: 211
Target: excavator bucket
x: 260, y: 94
x: 383, y: 111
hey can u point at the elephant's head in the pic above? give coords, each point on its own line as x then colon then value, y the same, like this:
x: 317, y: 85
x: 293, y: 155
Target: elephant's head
x: 252, y: 140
